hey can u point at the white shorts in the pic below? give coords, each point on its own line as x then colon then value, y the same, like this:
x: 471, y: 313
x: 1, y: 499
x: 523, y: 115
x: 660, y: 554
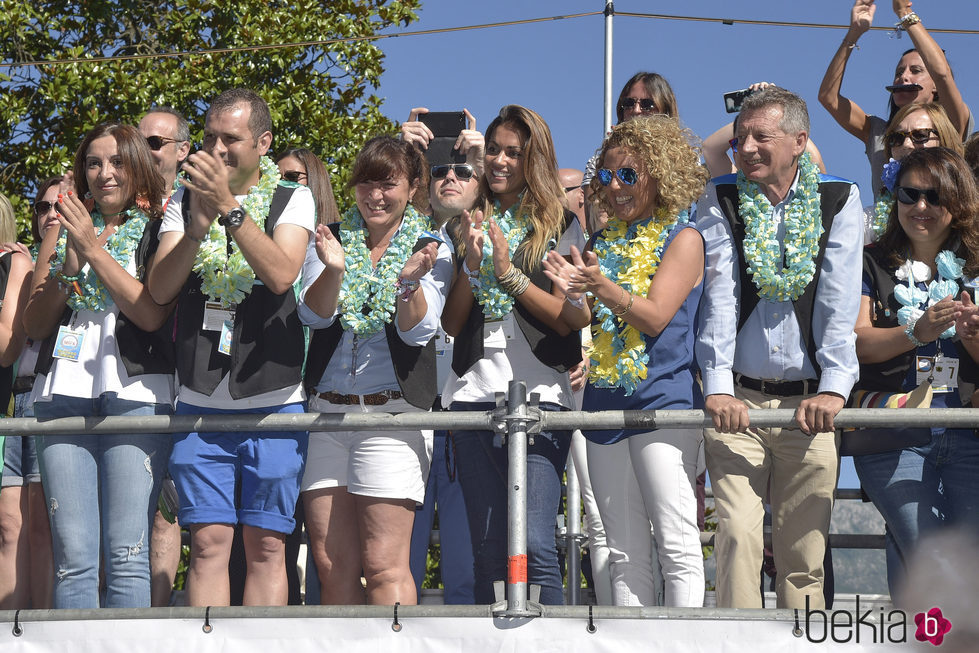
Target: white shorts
x: 385, y: 464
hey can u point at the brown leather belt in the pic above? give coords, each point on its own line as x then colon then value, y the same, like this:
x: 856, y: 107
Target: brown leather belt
x: 376, y: 399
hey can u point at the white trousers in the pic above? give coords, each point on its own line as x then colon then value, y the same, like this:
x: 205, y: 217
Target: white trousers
x: 650, y: 478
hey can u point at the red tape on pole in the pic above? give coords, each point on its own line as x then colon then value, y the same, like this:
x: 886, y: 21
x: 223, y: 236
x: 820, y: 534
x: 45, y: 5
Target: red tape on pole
x: 517, y: 569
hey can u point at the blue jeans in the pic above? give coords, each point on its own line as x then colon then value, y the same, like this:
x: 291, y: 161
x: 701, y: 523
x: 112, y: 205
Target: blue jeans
x: 455, y: 547
x: 921, y: 489
x: 101, y: 492
x: 483, y: 474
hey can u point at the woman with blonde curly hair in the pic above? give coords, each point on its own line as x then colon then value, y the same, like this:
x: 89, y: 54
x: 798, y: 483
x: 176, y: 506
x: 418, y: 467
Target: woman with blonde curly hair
x: 645, y: 273
x: 509, y: 323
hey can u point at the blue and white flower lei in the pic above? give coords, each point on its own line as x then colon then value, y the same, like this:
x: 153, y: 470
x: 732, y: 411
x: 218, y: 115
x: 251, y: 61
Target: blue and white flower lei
x: 120, y: 245
x: 514, y: 223
x: 912, y: 298
x: 628, y: 255
x: 885, y: 201
x: 803, y: 228
x: 225, y: 278
x: 365, y: 286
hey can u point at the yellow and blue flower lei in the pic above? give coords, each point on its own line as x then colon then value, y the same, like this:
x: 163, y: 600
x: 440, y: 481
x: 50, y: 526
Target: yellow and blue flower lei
x: 803, y: 229
x: 120, y: 245
x: 628, y: 255
x: 515, y: 224
x: 229, y: 278
x: 365, y: 286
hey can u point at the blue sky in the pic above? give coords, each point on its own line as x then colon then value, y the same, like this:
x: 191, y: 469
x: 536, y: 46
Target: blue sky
x: 557, y: 67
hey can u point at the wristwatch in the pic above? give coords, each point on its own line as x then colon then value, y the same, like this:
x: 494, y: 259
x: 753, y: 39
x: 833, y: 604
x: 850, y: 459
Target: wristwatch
x: 232, y: 218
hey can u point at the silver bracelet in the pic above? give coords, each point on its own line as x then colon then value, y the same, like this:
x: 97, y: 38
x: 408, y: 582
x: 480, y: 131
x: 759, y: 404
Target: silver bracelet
x: 909, y: 332
x: 577, y: 303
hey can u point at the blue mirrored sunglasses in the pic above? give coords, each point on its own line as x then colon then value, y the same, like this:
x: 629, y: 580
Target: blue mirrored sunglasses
x: 627, y: 176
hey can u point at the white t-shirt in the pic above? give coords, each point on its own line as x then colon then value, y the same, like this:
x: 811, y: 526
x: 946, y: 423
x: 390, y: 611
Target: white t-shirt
x: 99, y: 369
x: 516, y: 360
x: 299, y: 211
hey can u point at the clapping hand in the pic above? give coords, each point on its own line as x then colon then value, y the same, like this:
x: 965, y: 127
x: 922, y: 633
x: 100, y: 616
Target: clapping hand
x: 937, y: 318
x: 967, y: 323
x: 420, y: 263
x: 560, y: 272
x: 472, y: 233
x: 329, y: 250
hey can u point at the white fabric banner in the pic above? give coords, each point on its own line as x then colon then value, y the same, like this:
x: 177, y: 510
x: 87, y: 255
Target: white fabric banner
x: 449, y: 635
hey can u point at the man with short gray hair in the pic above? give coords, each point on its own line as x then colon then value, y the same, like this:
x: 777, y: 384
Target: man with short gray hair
x: 781, y: 296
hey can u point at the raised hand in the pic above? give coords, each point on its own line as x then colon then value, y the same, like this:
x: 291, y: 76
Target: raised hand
x: 967, y: 323
x: 420, y: 263
x: 561, y: 272
x: 329, y: 250
x: 587, y: 275
x: 862, y: 16
x: 472, y: 143
x: 82, y: 239
x: 472, y: 233
x: 501, y: 249
x: 207, y: 178
x: 415, y: 131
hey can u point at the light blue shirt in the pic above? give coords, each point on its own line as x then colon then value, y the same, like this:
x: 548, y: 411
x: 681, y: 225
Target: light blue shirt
x: 362, y: 365
x: 770, y: 345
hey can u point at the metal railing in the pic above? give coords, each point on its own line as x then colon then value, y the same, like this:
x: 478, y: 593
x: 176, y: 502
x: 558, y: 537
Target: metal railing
x: 517, y: 419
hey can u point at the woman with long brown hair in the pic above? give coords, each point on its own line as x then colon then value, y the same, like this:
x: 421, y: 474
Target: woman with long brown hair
x: 102, y: 356
x: 509, y: 323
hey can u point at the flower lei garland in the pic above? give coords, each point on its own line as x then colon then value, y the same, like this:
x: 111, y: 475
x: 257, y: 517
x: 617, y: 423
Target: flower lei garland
x: 911, y: 297
x: 803, y: 228
x: 120, y: 245
x: 229, y: 278
x: 366, y: 287
x: 885, y: 202
x: 515, y: 225
x: 628, y: 255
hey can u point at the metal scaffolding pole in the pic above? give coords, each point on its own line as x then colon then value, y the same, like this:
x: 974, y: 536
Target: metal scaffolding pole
x: 609, y: 108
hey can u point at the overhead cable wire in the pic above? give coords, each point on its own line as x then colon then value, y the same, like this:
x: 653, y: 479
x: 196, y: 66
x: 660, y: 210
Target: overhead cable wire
x: 446, y: 30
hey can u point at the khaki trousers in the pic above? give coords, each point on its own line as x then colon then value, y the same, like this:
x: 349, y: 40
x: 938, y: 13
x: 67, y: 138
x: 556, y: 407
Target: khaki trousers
x: 799, y: 474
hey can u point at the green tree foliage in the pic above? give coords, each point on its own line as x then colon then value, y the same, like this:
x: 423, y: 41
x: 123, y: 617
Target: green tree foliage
x: 320, y: 96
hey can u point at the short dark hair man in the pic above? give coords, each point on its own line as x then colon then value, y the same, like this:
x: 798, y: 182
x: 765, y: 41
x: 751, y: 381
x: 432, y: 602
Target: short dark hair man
x: 776, y: 330
x: 239, y: 344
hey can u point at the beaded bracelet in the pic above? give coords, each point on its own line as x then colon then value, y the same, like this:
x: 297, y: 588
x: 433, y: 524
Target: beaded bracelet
x: 472, y: 276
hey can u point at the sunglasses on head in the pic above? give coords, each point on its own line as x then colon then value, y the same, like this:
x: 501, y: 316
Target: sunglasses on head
x: 645, y: 104
x: 627, y: 176
x: 460, y: 170
x: 917, y: 136
x: 42, y: 207
x: 293, y: 175
x: 911, y: 195
x: 156, y: 142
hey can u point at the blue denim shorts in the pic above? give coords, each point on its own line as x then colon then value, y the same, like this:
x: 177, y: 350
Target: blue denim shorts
x: 249, y: 478
x: 20, y: 452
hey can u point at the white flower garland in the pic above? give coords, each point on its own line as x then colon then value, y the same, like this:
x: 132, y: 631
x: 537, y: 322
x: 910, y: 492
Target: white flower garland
x: 365, y: 287
x: 803, y: 229
x: 515, y: 225
x: 229, y: 278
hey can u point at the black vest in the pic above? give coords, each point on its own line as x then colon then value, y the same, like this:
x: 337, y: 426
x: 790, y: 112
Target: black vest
x: 833, y: 195
x: 414, y: 367
x: 558, y: 352
x: 268, y: 342
x: 141, y: 352
x: 888, y: 376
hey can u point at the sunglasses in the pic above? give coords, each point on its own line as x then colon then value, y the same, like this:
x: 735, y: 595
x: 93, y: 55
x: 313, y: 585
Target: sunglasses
x: 917, y: 136
x: 645, y: 105
x: 42, y: 207
x: 157, y: 142
x: 293, y: 175
x: 462, y: 171
x: 911, y: 195
x: 627, y: 176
